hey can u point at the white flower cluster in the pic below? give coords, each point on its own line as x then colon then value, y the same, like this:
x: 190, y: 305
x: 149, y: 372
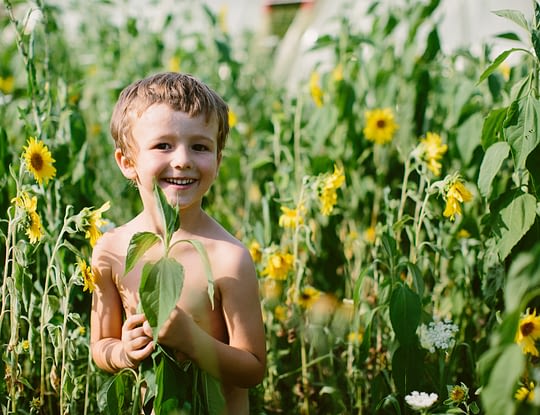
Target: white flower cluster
x: 438, y: 335
x: 421, y: 400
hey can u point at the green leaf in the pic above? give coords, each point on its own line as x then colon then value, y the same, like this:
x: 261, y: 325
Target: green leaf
x: 468, y: 138
x: 535, y: 38
x: 405, y: 310
x: 498, y: 60
x: 508, y: 36
x: 493, y: 124
x: 161, y: 286
x: 498, y: 394
x: 515, y: 16
x: 522, y: 128
x: 115, y: 394
x: 515, y: 220
x: 213, y: 398
x: 170, y: 388
x: 408, y: 368
x: 491, y: 164
x: 170, y: 216
x: 138, y: 245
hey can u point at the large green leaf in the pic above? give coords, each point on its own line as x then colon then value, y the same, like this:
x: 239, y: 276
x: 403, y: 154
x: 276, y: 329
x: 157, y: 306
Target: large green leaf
x: 408, y: 368
x: 497, y: 395
x: 138, y: 245
x: 160, y: 288
x: 405, y: 310
x: 516, y: 219
x: 522, y: 129
x: 491, y: 164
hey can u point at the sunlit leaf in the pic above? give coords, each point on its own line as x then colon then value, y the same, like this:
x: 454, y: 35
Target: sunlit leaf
x: 138, y: 245
x: 491, y: 165
x: 522, y: 128
x: 515, y: 16
x: 160, y: 289
x: 515, y: 220
x: 170, y: 216
x: 498, y: 60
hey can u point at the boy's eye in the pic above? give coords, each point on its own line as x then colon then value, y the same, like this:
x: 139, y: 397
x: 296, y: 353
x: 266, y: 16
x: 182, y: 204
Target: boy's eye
x: 200, y: 147
x: 163, y: 146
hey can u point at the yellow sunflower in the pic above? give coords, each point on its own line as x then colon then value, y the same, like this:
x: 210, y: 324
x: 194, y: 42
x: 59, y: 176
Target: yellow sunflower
x: 433, y: 150
x: 34, y: 229
x: 308, y: 296
x: 328, y: 190
x: 89, y: 279
x: 528, y: 332
x: 255, y: 251
x: 291, y: 218
x: 89, y: 221
x: 380, y: 125
x: 278, y: 265
x: 39, y: 161
x: 456, y: 194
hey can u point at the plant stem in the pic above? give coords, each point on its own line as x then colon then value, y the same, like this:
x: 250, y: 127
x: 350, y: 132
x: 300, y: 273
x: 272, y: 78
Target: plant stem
x: 45, y: 302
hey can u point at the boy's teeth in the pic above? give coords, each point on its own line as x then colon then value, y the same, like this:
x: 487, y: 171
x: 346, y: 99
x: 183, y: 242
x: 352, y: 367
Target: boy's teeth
x: 180, y: 181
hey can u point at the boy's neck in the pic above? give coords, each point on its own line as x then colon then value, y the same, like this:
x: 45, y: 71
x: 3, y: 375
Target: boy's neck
x: 191, y: 220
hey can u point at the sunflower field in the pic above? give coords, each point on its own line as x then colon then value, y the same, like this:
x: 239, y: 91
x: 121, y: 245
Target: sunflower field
x: 389, y: 203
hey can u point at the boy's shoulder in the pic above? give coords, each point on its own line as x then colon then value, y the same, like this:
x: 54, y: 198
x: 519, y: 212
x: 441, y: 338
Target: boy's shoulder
x: 117, y: 239
x: 226, y: 246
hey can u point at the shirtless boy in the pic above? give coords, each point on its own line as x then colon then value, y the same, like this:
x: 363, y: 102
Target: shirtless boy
x: 172, y: 128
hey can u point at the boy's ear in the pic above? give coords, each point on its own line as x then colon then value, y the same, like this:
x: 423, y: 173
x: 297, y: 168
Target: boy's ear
x: 125, y: 164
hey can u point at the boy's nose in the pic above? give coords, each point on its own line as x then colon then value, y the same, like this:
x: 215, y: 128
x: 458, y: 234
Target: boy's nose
x: 181, y: 158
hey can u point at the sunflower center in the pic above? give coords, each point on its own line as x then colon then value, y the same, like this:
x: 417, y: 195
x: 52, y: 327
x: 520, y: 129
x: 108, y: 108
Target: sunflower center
x: 381, y: 124
x: 527, y: 328
x: 36, y: 161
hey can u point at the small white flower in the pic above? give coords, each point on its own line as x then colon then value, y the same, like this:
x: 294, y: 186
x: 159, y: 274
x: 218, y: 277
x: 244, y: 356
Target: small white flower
x: 33, y: 17
x: 421, y: 400
x: 438, y: 335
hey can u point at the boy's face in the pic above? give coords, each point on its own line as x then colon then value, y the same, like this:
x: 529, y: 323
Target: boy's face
x: 179, y: 151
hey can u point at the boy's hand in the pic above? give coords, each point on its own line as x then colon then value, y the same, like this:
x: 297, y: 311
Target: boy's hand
x: 137, y: 339
x: 170, y: 336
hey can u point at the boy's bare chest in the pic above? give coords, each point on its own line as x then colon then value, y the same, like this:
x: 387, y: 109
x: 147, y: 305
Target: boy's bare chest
x: 194, y: 298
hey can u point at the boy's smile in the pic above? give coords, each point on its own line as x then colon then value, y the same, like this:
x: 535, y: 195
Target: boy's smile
x: 179, y: 151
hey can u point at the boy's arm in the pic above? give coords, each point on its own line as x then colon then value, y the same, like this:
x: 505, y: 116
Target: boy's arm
x: 242, y: 362
x: 108, y: 335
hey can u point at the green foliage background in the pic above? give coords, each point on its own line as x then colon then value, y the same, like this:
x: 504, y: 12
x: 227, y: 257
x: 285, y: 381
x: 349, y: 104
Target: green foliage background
x: 481, y: 271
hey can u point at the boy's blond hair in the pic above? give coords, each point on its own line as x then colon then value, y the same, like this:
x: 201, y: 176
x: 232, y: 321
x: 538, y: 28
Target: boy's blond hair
x: 182, y: 92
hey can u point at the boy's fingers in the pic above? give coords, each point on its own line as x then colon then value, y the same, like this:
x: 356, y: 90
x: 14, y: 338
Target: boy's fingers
x: 135, y: 320
x: 147, y: 330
